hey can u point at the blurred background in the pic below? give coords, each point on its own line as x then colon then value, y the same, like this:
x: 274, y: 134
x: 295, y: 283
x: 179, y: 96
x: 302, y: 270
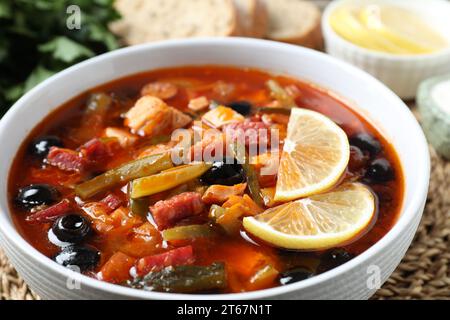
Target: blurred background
x: 403, y: 43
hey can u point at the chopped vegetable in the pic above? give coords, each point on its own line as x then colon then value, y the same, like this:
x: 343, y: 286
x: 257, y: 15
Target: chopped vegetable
x: 263, y: 278
x: 221, y: 116
x: 252, y: 177
x: 283, y: 111
x: 235, y: 208
x: 94, y: 116
x: 230, y: 221
x: 167, y: 213
x: 279, y: 93
x: 219, y: 193
x: 139, y: 206
x: 216, y: 212
x: 123, y: 174
x: 167, y: 179
x: 188, y: 232
x: 175, y: 257
x: 117, y: 268
x: 268, y: 195
x: 51, y: 213
x: 185, y: 279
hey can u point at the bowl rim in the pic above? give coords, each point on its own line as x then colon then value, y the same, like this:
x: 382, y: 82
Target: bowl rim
x: 329, y: 32
x: 409, y: 210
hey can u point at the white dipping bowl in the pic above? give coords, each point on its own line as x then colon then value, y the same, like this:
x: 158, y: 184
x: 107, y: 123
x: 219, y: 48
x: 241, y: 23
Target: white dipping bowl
x: 401, y: 73
x: 367, y: 95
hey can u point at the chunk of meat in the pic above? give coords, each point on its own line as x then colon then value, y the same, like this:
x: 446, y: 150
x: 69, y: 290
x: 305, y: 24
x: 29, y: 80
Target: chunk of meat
x: 117, y: 268
x: 66, y: 159
x: 149, y: 116
x: 125, y: 138
x: 95, y: 151
x: 254, y: 132
x: 175, y: 257
x: 159, y: 89
x: 168, y: 212
x: 112, y: 201
x: 198, y: 104
x: 179, y: 119
x: 211, y: 141
x: 51, y: 213
x: 221, y: 116
x: 219, y: 194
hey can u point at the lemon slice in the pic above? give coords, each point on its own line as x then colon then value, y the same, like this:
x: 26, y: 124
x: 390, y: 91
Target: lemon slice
x: 402, y: 28
x: 317, y: 222
x: 315, y: 154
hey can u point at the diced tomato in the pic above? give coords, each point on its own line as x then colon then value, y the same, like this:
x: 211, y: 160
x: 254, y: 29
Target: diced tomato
x: 51, y: 213
x: 168, y: 212
x: 66, y: 159
x: 175, y: 257
x: 117, y: 268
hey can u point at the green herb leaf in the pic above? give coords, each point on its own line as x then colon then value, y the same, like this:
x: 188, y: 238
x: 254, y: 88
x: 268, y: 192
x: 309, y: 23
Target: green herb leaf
x: 38, y: 75
x: 66, y: 50
x: 36, y: 43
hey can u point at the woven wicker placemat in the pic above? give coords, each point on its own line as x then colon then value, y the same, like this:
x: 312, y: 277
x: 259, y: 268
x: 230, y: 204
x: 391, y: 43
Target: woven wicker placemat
x: 424, y: 272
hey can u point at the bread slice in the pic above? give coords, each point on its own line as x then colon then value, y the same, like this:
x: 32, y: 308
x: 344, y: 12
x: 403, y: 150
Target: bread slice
x: 150, y: 20
x: 294, y: 21
x: 252, y: 17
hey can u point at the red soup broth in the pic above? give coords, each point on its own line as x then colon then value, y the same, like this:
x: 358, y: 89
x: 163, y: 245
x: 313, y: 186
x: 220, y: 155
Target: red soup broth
x: 240, y: 253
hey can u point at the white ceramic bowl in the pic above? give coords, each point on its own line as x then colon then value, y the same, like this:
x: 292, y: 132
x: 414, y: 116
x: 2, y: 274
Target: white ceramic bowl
x: 369, y: 96
x: 401, y: 73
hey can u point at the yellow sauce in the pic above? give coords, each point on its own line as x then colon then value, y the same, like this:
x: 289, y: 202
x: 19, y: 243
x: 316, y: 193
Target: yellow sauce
x: 387, y: 29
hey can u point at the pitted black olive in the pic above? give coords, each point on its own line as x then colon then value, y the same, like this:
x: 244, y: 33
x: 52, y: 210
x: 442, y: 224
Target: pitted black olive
x: 40, y: 147
x: 227, y: 172
x: 71, y: 228
x: 379, y: 171
x: 366, y: 142
x: 294, y: 275
x: 334, y: 258
x: 82, y: 257
x: 36, y: 195
x: 243, y: 107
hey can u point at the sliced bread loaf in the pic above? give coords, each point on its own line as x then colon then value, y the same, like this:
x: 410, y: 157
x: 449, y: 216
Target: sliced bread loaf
x: 294, y: 21
x: 149, y: 20
x: 252, y: 17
